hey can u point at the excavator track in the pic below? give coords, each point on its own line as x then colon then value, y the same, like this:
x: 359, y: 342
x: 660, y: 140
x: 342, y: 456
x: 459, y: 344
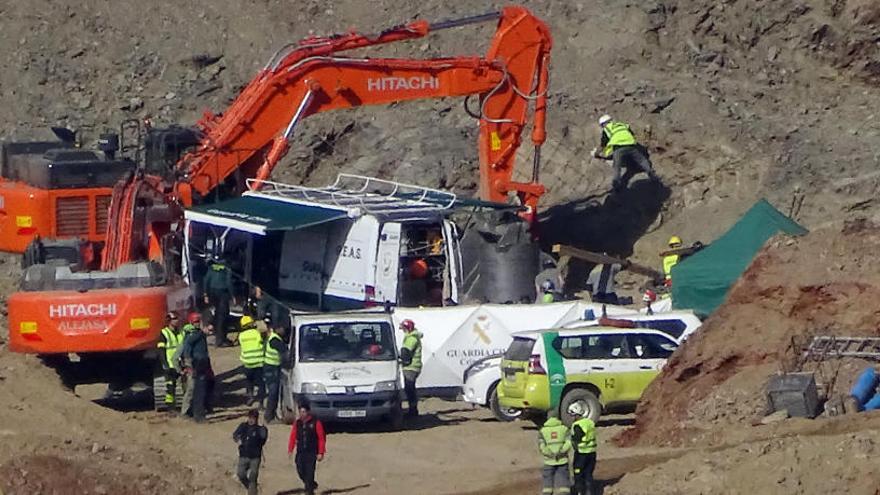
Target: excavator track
x: 159, y: 403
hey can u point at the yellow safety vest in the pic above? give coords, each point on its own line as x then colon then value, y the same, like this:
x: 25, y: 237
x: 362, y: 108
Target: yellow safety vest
x: 618, y: 135
x: 413, y: 342
x: 668, y: 263
x: 587, y: 444
x: 251, y: 343
x: 272, y: 357
x: 555, y: 442
x: 170, y: 344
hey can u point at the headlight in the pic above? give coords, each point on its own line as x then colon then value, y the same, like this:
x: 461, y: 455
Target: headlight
x: 313, y: 388
x: 388, y: 386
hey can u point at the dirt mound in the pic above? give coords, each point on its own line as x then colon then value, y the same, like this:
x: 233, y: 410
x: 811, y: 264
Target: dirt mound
x: 842, y: 463
x: 824, y: 283
x: 49, y: 474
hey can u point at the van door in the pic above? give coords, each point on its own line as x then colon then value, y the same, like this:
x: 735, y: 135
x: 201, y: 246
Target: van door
x: 388, y: 263
x: 301, y: 267
x: 451, y: 280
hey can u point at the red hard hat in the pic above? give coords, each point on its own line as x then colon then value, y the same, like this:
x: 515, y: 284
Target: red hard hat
x: 194, y: 317
x: 408, y: 324
x: 418, y: 268
x: 650, y: 296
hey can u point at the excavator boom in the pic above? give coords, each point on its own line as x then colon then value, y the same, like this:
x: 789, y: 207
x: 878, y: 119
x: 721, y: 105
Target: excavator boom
x: 311, y: 77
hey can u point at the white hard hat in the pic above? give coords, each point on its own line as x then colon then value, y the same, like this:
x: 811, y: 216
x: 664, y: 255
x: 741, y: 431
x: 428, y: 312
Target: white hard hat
x: 604, y: 119
x: 576, y: 409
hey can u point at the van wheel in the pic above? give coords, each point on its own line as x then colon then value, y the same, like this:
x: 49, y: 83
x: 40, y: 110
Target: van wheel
x: 501, y: 413
x: 586, y: 399
x: 159, y: 403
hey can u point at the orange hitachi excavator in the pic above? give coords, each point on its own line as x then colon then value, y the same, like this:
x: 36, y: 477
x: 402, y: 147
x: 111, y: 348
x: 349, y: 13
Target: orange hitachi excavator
x: 121, y: 307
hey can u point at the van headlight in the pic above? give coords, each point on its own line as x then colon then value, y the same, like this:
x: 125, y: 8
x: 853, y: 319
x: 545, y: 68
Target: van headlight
x: 389, y: 386
x: 313, y: 388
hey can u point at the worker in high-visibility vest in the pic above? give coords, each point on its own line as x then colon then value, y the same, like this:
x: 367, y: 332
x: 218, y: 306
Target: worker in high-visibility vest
x: 554, y: 442
x: 170, y: 339
x: 411, y: 359
x: 671, y: 260
x: 619, y: 145
x: 274, y: 354
x: 583, y: 439
x: 251, y: 341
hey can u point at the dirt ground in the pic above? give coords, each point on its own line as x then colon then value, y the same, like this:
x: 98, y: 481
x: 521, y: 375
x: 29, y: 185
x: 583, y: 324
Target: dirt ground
x: 57, y: 442
x: 734, y: 106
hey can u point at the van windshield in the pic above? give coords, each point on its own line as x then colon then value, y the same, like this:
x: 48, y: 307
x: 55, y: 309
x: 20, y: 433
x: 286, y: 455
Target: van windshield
x: 346, y: 341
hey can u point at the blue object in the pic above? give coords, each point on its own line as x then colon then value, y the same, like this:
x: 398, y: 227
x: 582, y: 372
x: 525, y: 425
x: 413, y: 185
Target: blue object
x: 589, y: 315
x: 865, y: 386
x: 873, y: 404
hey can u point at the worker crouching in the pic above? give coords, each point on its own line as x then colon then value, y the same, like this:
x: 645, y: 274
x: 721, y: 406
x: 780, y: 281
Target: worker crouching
x: 620, y: 146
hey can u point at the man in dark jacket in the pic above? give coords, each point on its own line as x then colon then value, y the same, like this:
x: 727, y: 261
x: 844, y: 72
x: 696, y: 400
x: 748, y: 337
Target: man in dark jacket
x: 250, y: 437
x: 308, y: 438
x: 195, y: 354
x: 217, y: 285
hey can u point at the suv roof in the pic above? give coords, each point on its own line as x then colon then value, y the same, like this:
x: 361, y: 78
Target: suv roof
x: 587, y: 330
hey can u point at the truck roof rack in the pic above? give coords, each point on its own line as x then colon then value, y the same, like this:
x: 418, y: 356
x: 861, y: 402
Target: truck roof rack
x: 358, y: 194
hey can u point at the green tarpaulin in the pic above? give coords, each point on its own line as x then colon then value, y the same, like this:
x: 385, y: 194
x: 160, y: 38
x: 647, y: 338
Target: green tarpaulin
x: 700, y: 282
x: 260, y: 215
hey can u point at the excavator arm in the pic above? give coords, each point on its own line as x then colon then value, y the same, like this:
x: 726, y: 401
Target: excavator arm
x: 310, y: 77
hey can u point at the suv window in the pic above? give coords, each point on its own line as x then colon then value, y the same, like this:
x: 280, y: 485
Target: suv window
x: 649, y: 346
x: 520, y: 349
x: 592, y: 346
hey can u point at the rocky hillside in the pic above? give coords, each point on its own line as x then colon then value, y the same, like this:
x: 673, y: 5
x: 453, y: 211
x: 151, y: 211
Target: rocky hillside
x: 734, y: 106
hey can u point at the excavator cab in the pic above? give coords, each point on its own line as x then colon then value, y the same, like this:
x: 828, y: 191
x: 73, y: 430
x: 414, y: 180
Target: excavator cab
x: 164, y: 147
x: 54, y: 190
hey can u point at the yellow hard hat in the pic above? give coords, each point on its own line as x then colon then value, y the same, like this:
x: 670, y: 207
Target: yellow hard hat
x: 674, y: 240
x: 246, y: 321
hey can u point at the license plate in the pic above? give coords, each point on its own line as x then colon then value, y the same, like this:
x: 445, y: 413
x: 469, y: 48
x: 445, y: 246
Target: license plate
x: 352, y: 413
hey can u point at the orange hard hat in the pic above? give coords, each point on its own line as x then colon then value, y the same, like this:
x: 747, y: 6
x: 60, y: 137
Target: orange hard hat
x: 418, y: 268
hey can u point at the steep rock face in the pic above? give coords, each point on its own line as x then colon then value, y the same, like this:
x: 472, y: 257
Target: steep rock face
x: 733, y: 106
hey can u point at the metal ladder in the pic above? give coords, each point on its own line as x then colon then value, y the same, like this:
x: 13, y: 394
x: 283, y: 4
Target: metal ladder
x: 828, y: 346
x: 371, y: 195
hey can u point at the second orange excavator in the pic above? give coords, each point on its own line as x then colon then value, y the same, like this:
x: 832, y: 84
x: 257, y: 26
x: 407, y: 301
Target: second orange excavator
x: 120, y: 308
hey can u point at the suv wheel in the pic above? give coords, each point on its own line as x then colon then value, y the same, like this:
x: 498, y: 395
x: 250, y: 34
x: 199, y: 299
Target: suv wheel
x: 501, y: 413
x: 587, y: 400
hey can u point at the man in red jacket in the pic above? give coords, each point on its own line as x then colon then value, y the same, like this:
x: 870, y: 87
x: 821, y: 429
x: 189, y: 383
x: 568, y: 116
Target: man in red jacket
x: 308, y: 438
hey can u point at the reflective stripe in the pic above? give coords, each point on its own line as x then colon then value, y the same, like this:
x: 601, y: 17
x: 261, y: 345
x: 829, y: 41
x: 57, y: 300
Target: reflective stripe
x: 272, y: 357
x: 251, y: 343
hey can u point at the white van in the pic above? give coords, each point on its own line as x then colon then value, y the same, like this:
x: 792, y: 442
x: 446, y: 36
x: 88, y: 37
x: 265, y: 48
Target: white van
x: 345, y: 366
x: 357, y: 243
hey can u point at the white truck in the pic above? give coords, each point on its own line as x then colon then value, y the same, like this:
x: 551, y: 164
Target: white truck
x: 345, y: 366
